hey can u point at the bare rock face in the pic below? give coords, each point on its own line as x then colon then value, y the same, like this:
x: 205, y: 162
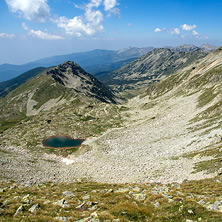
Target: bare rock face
x: 208, y: 48
x: 72, y: 76
x: 136, y: 76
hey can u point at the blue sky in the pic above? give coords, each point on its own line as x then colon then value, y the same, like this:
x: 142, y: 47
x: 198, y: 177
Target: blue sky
x: 34, y: 29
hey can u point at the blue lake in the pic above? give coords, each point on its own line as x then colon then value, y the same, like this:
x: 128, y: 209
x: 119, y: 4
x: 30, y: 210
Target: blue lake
x: 62, y: 142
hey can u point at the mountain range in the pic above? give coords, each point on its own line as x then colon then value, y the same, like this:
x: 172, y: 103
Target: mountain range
x: 94, y: 61
x: 142, y: 158
x: 157, y: 64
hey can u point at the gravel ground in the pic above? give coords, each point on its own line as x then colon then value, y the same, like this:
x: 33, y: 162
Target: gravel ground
x: 149, y: 148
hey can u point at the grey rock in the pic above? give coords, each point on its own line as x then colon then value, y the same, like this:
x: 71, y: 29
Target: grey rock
x: 190, y: 211
x: 19, y: 210
x: 123, y: 190
x: 89, y: 219
x: 201, y: 202
x: 139, y: 196
x: 26, y: 199
x: 68, y: 193
x: 62, y: 218
x: 179, y: 193
x: 87, y: 197
x: 81, y: 205
x: 34, y: 208
x: 63, y: 203
x: 157, y: 204
x: 107, y: 191
x: 167, y: 196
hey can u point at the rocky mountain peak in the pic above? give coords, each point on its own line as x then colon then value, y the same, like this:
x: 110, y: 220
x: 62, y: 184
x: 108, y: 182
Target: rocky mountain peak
x: 72, y: 76
x: 208, y: 48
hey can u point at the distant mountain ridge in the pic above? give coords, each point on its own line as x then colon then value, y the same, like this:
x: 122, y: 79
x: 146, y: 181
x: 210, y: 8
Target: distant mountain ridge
x: 152, y: 67
x: 94, y: 61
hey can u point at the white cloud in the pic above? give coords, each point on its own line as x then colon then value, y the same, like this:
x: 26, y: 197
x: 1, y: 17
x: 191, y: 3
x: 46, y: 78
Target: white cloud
x: 130, y: 24
x: 40, y: 34
x: 94, y: 3
x: 177, y: 31
x: 77, y: 27
x: 157, y: 30
x: 37, y: 10
x: 174, y: 31
x: 7, y: 36
x: 88, y: 24
x: 110, y: 7
x: 195, y: 33
x: 115, y: 12
x: 186, y: 27
x: 93, y: 16
x: 110, y: 4
x: 25, y: 26
x: 43, y: 35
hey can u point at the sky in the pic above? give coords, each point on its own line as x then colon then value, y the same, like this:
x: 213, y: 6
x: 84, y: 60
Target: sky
x: 34, y: 29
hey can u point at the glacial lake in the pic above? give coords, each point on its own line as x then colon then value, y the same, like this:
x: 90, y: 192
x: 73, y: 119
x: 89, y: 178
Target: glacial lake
x: 62, y: 142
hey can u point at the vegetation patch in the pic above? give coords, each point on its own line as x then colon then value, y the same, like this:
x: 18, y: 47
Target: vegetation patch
x: 210, y: 166
x: 206, y: 97
x: 91, y: 201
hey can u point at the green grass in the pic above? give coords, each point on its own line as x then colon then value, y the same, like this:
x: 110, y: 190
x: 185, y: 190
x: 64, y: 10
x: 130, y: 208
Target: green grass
x: 110, y: 205
x: 4, y: 125
x: 210, y: 166
x: 206, y: 97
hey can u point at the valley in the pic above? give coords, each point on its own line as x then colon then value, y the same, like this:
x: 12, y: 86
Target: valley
x: 138, y: 132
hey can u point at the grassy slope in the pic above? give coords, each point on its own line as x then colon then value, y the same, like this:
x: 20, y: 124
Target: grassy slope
x: 8, y: 86
x: 123, y: 206
x: 110, y: 202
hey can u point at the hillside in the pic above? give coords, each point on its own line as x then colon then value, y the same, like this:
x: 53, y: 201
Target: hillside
x: 8, y: 86
x: 134, y: 77
x: 53, y: 87
x: 181, y: 113
x: 156, y: 157
x: 94, y: 61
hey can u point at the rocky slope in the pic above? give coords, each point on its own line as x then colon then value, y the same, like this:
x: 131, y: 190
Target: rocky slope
x: 170, y: 133
x: 51, y: 88
x: 208, y: 48
x: 189, y: 47
x: 185, y: 48
x: 155, y: 65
